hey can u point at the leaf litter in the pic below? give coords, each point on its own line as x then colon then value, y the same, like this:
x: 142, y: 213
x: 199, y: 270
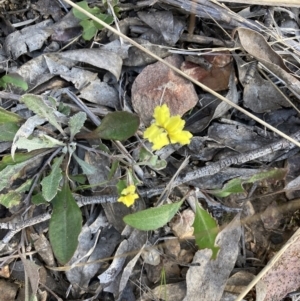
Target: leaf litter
x: 246, y: 173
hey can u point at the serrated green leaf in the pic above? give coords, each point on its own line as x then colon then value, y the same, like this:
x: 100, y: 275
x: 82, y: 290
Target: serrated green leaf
x: 37, y: 104
x: 89, y: 29
x: 6, y: 116
x: 118, y: 126
x: 205, y: 230
x: 8, y: 131
x: 76, y: 122
x: 84, y: 5
x: 51, y: 182
x: 19, y: 158
x: 153, y: 218
x: 37, y: 143
x: 14, y: 79
x: 86, y: 168
x: 65, y: 225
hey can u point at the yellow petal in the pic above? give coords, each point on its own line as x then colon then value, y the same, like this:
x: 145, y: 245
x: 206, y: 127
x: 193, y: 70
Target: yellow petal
x: 160, y: 141
x: 161, y: 115
x: 175, y: 124
x: 128, y: 200
x: 152, y: 131
x: 129, y: 190
x: 182, y: 137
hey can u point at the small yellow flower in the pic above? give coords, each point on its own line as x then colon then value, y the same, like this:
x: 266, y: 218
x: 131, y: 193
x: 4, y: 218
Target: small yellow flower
x: 128, y: 195
x: 166, y: 129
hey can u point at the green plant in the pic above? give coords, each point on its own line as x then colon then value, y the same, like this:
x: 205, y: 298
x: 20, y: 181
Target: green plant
x: 14, y: 79
x: 90, y: 27
x: 66, y: 220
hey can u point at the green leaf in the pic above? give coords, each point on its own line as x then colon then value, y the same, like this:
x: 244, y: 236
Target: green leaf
x: 118, y: 126
x: 38, y: 199
x: 65, y: 225
x: 81, y: 179
x: 76, y: 122
x: 108, y: 19
x: 236, y: 185
x: 36, y: 104
x: 89, y: 29
x: 10, y: 199
x: 122, y: 184
x: 84, y: 5
x: 14, y: 197
x: 18, y: 158
x: 114, y: 167
x: 86, y: 168
x: 6, y: 116
x: 51, y: 182
x: 14, y: 79
x: 8, y: 131
x: 205, y: 230
x: 153, y: 218
x: 10, y: 173
x: 37, y: 143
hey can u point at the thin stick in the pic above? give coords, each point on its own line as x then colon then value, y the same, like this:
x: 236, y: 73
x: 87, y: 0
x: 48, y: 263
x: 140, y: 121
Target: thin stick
x: 205, y: 88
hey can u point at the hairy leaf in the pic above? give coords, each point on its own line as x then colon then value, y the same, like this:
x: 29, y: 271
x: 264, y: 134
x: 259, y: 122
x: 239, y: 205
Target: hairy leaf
x: 37, y: 143
x: 86, y: 167
x: 8, y: 131
x: 37, y: 104
x: 76, y: 122
x: 153, y: 218
x: 205, y: 230
x: 65, y: 225
x: 6, y: 116
x: 19, y: 158
x: 51, y: 182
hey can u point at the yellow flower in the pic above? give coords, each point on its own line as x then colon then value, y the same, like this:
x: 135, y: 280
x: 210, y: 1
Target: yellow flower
x: 128, y: 195
x: 166, y: 129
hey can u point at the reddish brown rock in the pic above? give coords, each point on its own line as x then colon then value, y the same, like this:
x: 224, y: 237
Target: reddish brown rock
x: 158, y: 84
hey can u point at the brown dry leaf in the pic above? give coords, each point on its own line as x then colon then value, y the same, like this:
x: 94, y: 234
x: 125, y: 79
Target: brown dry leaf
x: 164, y: 23
x: 260, y: 95
x: 283, y: 277
x: 217, y: 75
x: 156, y: 85
x: 256, y: 45
x: 181, y: 225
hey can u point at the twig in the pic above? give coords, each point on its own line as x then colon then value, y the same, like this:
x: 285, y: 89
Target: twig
x: 238, y: 159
